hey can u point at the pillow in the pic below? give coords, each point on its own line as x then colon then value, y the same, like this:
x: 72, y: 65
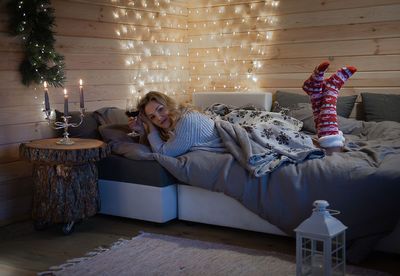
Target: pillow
x: 303, y: 112
x: 345, y: 104
x: 381, y: 107
x: 110, y: 115
x: 300, y: 111
x: 120, y: 143
x: 134, y: 151
x: 115, y: 132
x: 88, y: 128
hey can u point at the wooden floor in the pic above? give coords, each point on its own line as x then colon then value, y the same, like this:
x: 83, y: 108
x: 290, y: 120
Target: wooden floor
x: 25, y: 251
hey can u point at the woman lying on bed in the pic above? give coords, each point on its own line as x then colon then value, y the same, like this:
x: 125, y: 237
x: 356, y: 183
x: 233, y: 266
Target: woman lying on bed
x: 174, y: 129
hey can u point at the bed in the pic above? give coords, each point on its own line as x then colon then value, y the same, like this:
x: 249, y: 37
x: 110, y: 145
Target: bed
x: 363, y: 182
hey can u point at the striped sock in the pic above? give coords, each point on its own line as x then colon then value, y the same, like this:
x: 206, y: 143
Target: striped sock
x: 327, y: 123
x: 313, y: 87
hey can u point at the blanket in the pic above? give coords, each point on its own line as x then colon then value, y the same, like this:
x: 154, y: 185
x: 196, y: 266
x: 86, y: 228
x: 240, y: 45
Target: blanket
x: 363, y: 183
x: 262, y: 141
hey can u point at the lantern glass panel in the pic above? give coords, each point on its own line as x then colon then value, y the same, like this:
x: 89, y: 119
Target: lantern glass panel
x: 318, y: 246
x: 317, y: 257
x: 306, y: 256
x: 337, y: 242
x: 317, y: 263
x: 306, y: 243
x: 334, y: 243
x: 338, y: 255
x: 340, y: 239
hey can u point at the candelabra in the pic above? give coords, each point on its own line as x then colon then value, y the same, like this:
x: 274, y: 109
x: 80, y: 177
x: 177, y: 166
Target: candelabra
x: 64, y: 124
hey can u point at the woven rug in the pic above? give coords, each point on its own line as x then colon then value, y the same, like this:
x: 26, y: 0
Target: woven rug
x: 153, y: 254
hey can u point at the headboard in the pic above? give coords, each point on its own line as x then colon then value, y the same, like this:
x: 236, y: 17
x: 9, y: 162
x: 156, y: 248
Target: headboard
x: 259, y: 100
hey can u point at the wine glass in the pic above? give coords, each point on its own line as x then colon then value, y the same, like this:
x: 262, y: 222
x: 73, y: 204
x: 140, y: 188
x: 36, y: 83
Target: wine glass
x: 131, y: 111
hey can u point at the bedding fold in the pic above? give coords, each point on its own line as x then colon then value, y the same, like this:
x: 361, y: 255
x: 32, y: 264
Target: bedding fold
x: 262, y: 141
x: 261, y: 159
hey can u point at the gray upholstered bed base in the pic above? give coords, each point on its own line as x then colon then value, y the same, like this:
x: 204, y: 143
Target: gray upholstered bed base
x: 137, y: 201
x: 158, y: 197
x: 128, y: 192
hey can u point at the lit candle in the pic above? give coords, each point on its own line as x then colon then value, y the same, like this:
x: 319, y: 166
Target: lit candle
x: 46, y: 97
x: 82, y: 102
x: 65, y: 103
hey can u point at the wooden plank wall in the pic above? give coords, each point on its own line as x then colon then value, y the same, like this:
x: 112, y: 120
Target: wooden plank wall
x: 182, y: 46
x: 116, y: 46
x: 274, y: 45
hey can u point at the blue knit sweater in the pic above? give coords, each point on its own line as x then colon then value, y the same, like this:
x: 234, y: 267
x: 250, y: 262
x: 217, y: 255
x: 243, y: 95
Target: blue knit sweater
x: 194, y: 131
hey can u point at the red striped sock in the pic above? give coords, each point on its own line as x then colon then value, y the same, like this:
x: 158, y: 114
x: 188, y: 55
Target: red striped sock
x: 327, y: 123
x: 313, y: 87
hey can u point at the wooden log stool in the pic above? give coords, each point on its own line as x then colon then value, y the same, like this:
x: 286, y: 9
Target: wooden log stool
x: 65, y: 180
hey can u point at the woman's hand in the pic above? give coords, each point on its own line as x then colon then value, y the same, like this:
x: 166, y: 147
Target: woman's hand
x: 147, y: 121
x: 136, y: 124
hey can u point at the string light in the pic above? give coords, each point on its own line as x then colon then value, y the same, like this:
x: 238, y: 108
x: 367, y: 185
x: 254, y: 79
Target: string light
x: 236, y: 43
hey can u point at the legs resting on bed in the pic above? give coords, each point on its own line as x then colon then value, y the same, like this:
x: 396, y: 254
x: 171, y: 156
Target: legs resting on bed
x: 329, y: 150
x: 323, y: 95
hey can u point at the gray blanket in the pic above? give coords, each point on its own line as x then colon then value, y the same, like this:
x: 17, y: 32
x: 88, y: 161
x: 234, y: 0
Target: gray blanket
x: 363, y: 183
x: 262, y: 154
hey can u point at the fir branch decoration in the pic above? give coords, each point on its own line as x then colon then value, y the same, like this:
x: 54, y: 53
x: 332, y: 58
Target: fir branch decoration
x: 33, y: 20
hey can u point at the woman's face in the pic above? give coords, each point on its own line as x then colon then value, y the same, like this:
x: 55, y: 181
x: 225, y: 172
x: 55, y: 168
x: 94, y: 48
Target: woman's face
x: 158, y: 114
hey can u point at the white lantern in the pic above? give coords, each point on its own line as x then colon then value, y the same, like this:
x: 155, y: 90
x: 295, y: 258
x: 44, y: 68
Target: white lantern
x: 321, y: 243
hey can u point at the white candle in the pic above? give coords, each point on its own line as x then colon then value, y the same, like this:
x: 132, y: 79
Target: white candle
x: 46, y: 97
x: 82, y: 102
x: 65, y: 103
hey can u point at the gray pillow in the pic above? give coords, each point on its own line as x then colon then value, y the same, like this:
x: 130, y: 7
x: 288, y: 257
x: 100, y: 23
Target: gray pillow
x: 345, y: 104
x: 88, y: 128
x: 110, y: 115
x: 115, y: 132
x: 116, y: 136
x: 134, y: 151
x: 381, y: 107
x: 303, y: 112
x: 300, y: 111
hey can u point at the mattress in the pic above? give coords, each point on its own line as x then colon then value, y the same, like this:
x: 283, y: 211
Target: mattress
x: 121, y: 169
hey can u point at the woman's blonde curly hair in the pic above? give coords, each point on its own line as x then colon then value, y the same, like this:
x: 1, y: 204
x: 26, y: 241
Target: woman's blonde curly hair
x: 175, y: 110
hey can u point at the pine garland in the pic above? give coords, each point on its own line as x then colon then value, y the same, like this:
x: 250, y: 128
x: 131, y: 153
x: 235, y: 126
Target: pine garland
x: 33, y: 19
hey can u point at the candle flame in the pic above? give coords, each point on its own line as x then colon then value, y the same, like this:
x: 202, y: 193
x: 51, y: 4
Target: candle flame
x: 45, y: 84
x: 80, y: 82
x: 65, y: 91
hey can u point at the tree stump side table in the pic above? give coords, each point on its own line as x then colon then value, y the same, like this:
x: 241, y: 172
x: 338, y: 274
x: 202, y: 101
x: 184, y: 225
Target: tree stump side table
x: 65, y: 180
